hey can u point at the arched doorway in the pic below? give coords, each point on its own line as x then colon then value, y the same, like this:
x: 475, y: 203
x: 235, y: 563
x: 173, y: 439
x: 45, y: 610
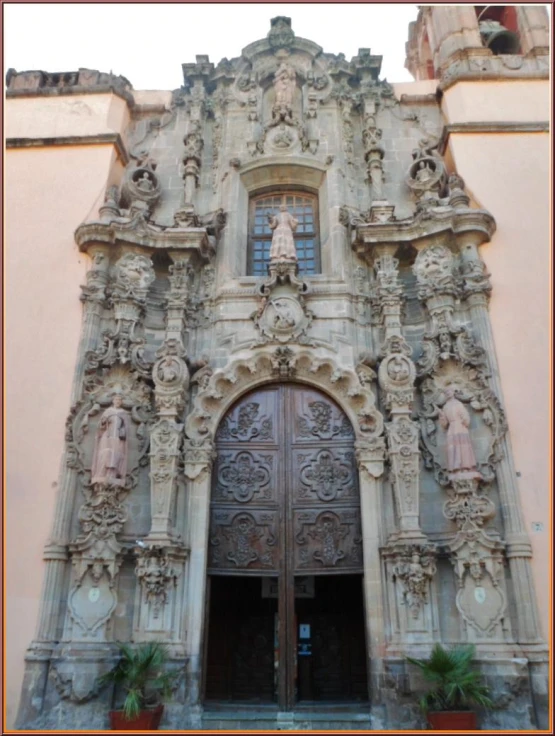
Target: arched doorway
x: 285, y: 563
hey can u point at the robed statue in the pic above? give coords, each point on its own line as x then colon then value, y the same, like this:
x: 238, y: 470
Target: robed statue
x: 283, y: 244
x: 109, y: 464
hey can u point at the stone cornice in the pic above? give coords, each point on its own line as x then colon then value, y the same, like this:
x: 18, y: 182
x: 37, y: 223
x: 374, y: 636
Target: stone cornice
x: 472, y: 65
x: 490, y: 127
x: 74, y: 140
x: 138, y: 232
x: 423, y: 226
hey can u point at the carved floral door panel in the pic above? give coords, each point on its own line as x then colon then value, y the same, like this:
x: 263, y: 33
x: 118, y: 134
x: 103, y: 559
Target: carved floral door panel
x: 285, y: 480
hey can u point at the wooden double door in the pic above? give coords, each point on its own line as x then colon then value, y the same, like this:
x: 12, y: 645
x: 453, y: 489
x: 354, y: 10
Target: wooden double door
x: 284, y: 525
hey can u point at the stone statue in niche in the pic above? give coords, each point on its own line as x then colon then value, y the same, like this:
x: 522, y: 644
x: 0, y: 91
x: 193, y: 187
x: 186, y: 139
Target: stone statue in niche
x: 284, y: 86
x: 144, y: 182
x: 109, y: 464
x: 461, y: 461
x: 283, y: 244
x: 397, y: 369
x: 168, y: 370
x: 424, y: 172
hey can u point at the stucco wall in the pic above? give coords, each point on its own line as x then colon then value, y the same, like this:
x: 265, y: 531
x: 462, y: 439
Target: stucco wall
x: 75, y: 115
x: 49, y: 192
x: 497, y: 102
x: 508, y: 174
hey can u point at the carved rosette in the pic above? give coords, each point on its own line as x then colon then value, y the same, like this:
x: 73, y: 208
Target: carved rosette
x: 243, y: 541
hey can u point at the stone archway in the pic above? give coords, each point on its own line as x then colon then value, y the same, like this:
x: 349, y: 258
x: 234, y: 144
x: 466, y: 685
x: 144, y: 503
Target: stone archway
x: 350, y: 390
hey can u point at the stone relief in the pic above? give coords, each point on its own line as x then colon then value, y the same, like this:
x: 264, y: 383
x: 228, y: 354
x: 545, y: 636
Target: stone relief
x: 282, y: 314
x: 415, y: 567
x: 156, y: 575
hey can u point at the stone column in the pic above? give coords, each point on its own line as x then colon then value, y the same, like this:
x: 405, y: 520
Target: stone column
x: 519, y: 548
x: 199, y: 457
x: 93, y: 297
x: 370, y: 460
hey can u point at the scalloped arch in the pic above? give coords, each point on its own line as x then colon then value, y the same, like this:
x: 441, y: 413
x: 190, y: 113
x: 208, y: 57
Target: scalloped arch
x: 250, y: 370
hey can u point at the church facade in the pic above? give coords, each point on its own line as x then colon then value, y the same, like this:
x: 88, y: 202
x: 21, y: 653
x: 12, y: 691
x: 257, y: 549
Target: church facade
x: 304, y: 434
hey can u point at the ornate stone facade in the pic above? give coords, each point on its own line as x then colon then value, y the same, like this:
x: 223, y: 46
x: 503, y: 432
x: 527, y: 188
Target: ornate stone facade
x: 175, y: 331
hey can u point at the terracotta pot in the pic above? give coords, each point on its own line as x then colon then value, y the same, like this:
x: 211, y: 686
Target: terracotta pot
x: 452, y: 720
x: 147, y: 720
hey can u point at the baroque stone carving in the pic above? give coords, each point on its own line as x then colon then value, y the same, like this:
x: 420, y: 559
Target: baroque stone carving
x: 281, y: 34
x: 109, y: 464
x: 478, y: 560
x: 461, y: 461
x: 141, y: 186
x: 171, y: 377
x: 433, y: 269
x: 415, y: 566
x: 283, y: 226
x: 282, y: 314
x: 229, y: 382
x: 469, y: 387
x: 156, y: 575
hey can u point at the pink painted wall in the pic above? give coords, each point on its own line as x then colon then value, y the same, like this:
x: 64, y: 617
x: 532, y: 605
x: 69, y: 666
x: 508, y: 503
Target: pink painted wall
x: 508, y: 174
x: 49, y: 192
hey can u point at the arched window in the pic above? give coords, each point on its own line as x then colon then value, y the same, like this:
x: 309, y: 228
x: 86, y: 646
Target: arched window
x: 304, y: 208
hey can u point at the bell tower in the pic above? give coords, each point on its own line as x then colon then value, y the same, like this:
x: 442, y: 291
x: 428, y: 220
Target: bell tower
x: 473, y: 41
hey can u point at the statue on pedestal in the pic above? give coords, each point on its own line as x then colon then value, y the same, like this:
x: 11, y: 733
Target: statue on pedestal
x: 283, y: 244
x: 109, y: 464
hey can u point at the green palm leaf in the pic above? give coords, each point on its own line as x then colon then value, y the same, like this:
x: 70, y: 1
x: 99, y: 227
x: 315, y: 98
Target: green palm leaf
x: 454, y: 684
x: 140, y: 671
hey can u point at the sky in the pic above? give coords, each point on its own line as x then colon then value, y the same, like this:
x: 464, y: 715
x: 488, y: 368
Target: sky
x: 148, y: 42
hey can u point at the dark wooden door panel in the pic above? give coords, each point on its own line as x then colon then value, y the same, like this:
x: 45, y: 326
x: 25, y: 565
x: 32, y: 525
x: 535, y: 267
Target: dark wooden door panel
x: 327, y: 541
x: 243, y: 542
x: 324, y: 476
x: 242, y: 476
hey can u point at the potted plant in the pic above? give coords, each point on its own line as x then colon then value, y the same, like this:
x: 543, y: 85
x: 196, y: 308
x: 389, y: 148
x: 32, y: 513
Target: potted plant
x: 456, y: 686
x: 140, y: 671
